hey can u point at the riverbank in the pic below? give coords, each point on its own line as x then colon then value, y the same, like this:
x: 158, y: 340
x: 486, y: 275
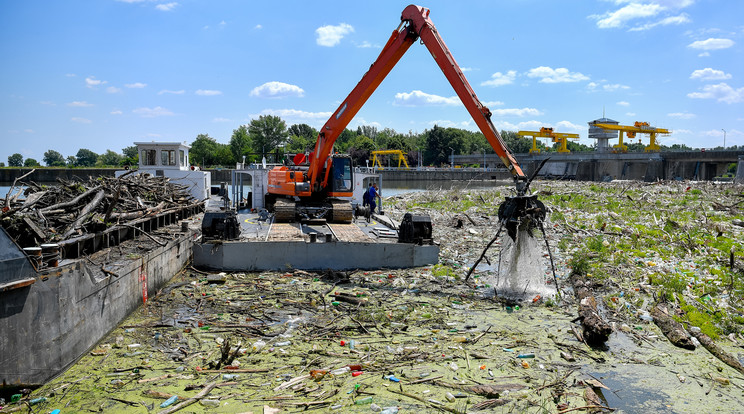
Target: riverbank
x: 424, y: 339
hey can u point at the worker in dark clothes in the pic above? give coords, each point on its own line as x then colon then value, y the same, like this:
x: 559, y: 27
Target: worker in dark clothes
x: 372, y: 198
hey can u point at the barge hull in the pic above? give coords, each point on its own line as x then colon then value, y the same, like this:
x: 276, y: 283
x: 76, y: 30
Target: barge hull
x: 48, y: 325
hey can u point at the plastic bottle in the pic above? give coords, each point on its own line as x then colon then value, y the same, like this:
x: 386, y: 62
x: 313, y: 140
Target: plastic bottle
x: 449, y: 397
x: 229, y: 376
x: 530, y: 355
x: 258, y: 345
x: 37, y: 400
x: 461, y: 339
x: 169, y: 401
x: 392, y: 378
x: 318, y: 373
x: 340, y: 371
x: 389, y: 410
x: 365, y: 400
x: 285, y: 343
x: 210, y: 403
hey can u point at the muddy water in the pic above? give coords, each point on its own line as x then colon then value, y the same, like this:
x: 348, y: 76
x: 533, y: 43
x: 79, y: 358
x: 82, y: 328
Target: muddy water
x: 433, y: 335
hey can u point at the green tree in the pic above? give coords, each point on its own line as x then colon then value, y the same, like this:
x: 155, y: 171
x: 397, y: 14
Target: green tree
x: 53, y: 158
x: 71, y: 161
x: 516, y: 143
x: 304, y: 131
x: 203, y: 150
x: 578, y: 147
x: 359, y: 149
x: 300, y: 144
x: 240, y: 143
x: 86, y: 158
x: 30, y: 162
x: 131, y: 155
x: 267, y: 132
x: 110, y: 158
x: 224, y: 156
x: 15, y: 160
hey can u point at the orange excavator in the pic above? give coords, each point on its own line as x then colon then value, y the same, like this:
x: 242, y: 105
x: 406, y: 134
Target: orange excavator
x: 314, y: 190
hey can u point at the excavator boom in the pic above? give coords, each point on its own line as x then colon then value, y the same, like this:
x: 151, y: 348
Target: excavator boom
x: 415, y: 24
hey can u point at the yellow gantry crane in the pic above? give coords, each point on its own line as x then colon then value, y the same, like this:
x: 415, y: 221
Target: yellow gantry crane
x: 548, y: 133
x: 399, y: 153
x: 632, y: 130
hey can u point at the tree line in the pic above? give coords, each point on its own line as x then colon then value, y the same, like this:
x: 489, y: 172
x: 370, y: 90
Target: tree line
x: 268, y: 137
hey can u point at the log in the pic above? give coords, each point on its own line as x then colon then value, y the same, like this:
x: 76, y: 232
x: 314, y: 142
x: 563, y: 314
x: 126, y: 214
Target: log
x: 719, y: 353
x: 72, y: 202
x: 596, y: 330
x: 83, y: 216
x: 673, y: 330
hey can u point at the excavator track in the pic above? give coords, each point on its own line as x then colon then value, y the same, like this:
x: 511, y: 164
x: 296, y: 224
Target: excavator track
x: 284, y: 210
x: 342, y: 212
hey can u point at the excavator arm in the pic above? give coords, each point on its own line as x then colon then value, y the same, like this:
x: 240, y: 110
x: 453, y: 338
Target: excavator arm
x: 415, y: 24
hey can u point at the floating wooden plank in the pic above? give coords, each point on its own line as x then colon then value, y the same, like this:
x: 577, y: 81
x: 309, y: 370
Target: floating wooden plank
x: 285, y: 232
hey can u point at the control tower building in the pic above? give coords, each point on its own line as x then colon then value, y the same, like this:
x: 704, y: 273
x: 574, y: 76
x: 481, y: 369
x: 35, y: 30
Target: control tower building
x: 603, y: 137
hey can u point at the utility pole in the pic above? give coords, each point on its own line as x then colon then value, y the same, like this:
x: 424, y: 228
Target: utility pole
x: 724, y: 138
x: 452, y: 158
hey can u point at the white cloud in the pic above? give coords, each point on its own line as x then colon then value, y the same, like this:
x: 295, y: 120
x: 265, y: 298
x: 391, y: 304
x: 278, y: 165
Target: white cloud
x: 331, y: 35
x: 113, y: 89
x: 167, y: 92
x: 208, y: 92
x: 681, y: 19
x: 136, y: 85
x: 623, y: 103
x: 721, y: 92
x: 559, y: 75
x: 630, y: 114
x: 500, y: 79
x: 92, y: 82
x: 419, y: 98
x: 116, y: 112
x: 297, y: 114
x: 258, y: 27
x: 81, y: 120
x: 219, y: 119
x: 632, y: 11
x: 80, y: 104
x: 681, y: 115
x: 278, y: 90
x: 493, y: 103
x: 709, y: 74
x: 570, y: 126
x: 446, y: 123
x: 367, y: 45
x: 152, y: 112
x: 711, y: 44
x: 166, y: 6
x: 516, y: 112
x: 704, y: 54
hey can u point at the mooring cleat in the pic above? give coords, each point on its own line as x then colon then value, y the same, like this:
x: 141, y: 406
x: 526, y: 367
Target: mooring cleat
x: 521, y: 212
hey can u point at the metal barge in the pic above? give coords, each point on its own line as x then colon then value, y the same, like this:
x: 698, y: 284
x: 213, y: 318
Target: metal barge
x: 257, y: 243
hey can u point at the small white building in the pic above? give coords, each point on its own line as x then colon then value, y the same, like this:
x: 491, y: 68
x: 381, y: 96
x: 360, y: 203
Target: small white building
x: 171, y: 160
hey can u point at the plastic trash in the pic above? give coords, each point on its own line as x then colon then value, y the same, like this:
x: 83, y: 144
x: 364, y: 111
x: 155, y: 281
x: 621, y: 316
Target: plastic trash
x: 317, y: 374
x: 229, y: 376
x: 389, y: 410
x: 210, y: 403
x: 365, y: 400
x: 449, y: 397
x: 392, y: 378
x: 37, y: 400
x: 285, y: 343
x: 169, y: 401
x: 376, y: 408
x: 340, y: 371
x: 461, y: 339
x: 530, y: 355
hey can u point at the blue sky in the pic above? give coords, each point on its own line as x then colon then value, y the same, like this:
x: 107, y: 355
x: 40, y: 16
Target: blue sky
x: 101, y: 74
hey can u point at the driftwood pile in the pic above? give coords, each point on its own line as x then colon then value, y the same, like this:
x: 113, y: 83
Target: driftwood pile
x: 51, y: 214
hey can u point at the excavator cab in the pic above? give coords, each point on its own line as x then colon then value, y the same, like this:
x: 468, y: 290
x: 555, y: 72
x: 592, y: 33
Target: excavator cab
x: 341, y: 175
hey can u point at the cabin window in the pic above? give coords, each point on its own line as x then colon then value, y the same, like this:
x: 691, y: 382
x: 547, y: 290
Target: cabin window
x: 167, y: 157
x: 148, y: 157
x: 182, y: 157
